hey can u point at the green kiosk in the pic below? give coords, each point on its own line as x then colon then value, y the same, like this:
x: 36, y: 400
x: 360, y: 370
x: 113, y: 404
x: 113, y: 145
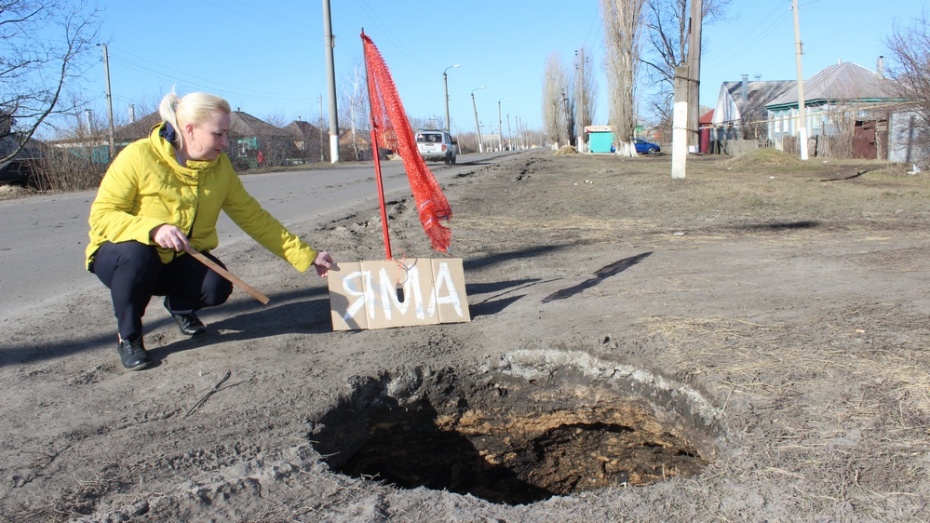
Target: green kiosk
x: 600, y: 138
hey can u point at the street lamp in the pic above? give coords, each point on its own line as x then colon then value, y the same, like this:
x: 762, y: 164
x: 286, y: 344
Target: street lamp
x: 445, y: 83
x: 477, y: 125
x: 500, y: 126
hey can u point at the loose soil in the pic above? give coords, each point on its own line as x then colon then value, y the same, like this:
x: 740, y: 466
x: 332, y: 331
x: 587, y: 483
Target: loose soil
x: 758, y: 331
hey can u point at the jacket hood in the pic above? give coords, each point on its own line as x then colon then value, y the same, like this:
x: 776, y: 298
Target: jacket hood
x: 162, y: 140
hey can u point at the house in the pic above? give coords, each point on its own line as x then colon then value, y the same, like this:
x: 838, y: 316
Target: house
x: 842, y: 99
x: 355, y: 145
x: 126, y: 134
x: 740, y: 112
x: 247, y: 136
x: 254, y: 142
x: 310, y: 142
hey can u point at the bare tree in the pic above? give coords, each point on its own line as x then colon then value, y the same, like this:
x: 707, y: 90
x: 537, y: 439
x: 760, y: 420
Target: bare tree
x: 46, y: 46
x: 909, y: 66
x: 586, y: 89
x: 559, y: 116
x: 355, y: 103
x: 276, y: 143
x: 623, y: 21
x: 667, y: 25
x: 552, y: 109
x: 568, y: 131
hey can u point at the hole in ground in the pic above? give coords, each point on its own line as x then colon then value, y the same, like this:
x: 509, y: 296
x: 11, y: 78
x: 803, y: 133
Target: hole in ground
x: 542, y: 424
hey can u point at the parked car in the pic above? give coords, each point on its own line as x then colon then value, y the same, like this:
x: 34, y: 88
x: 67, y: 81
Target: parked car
x: 15, y: 172
x: 644, y: 147
x: 435, y: 145
x: 18, y: 170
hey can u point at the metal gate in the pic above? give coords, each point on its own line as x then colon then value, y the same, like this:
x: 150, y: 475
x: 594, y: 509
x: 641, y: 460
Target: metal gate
x: 864, y: 145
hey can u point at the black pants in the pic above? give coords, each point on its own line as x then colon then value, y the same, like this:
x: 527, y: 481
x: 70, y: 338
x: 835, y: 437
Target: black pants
x: 134, y: 273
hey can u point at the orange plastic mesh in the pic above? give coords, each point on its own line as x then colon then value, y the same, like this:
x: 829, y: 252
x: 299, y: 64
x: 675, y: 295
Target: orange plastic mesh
x: 392, y: 130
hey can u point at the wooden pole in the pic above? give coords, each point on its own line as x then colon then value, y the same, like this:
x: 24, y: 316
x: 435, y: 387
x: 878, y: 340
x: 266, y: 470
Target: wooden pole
x: 217, y: 268
x: 802, y: 116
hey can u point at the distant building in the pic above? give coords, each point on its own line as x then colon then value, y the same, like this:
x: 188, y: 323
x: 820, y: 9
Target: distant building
x: 829, y: 97
x: 247, y: 136
x: 126, y: 134
x: 849, y: 110
x: 310, y: 142
x: 600, y: 138
x: 740, y: 112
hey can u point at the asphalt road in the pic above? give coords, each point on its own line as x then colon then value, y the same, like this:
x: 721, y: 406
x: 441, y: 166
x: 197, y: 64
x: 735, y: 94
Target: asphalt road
x: 43, y: 237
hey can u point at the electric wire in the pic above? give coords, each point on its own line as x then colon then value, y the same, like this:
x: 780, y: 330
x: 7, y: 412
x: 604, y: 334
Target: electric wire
x: 159, y: 71
x: 299, y: 30
x: 398, y: 43
x: 744, y: 42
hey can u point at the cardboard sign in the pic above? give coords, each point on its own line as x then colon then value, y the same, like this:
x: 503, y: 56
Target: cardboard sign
x: 388, y: 293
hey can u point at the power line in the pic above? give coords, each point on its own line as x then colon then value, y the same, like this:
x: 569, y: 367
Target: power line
x: 168, y: 74
x: 398, y: 43
x: 745, y: 42
x: 301, y: 29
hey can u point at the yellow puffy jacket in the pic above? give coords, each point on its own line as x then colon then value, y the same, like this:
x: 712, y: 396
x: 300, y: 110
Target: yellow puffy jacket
x: 146, y: 187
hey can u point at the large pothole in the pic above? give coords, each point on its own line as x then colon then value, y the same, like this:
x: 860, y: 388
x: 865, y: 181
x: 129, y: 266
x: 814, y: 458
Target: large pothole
x: 541, y: 424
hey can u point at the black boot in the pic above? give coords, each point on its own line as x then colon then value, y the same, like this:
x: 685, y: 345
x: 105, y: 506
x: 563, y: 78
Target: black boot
x: 189, y: 324
x: 133, y: 354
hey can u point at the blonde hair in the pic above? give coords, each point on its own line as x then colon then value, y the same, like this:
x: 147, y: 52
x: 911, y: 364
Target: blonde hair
x: 192, y: 108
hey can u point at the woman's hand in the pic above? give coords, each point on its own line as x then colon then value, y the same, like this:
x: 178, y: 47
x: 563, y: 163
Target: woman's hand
x: 169, y: 237
x: 323, y: 263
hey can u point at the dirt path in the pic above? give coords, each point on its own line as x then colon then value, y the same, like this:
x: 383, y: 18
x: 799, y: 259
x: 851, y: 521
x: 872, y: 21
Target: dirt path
x: 765, y: 317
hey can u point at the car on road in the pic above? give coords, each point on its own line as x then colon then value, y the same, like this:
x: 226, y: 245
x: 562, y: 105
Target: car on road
x: 434, y: 145
x: 644, y: 147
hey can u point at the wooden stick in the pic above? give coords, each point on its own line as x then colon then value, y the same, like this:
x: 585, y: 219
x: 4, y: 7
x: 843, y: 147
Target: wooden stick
x: 226, y: 274
x: 206, y: 396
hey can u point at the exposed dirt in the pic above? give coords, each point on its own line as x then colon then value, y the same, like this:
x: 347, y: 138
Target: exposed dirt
x: 514, y: 437
x: 777, y: 311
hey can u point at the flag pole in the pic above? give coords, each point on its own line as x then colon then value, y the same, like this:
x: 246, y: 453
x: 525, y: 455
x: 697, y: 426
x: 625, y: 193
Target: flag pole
x: 376, y: 157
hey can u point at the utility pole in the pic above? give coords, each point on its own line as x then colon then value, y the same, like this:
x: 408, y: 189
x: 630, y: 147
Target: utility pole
x: 322, y: 157
x: 802, y: 116
x: 329, y: 43
x: 581, y: 97
x: 106, y: 70
x: 694, y: 72
x: 568, y: 130
x: 477, y: 125
x: 500, y: 127
x: 509, y: 134
x: 445, y: 83
x: 519, y: 136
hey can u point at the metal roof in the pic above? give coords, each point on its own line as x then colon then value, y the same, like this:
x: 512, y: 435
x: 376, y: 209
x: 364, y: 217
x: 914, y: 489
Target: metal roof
x: 758, y: 92
x: 845, y: 81
x: 748, y: 99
